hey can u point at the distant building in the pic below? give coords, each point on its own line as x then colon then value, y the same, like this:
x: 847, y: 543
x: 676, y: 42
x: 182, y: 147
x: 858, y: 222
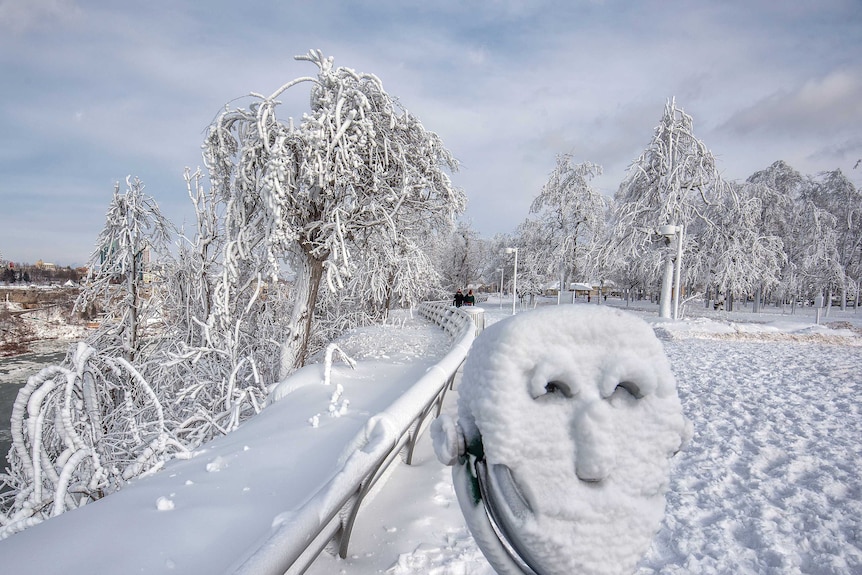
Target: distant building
x: 45, y: 266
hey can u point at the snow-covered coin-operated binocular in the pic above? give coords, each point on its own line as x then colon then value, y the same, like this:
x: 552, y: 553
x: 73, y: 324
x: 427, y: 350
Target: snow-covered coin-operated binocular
x: 567, y: 419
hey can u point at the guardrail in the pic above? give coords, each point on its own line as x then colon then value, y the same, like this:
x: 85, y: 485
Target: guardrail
x: 330, y: 513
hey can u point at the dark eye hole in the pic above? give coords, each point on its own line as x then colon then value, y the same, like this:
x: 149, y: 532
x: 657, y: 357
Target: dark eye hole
x: 631, y: 388
x: 558, y: 387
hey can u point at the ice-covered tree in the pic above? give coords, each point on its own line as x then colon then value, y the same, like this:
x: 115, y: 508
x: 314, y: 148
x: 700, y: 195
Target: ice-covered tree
x: 214, y: 361
x: 463, y: 257
x: 533, y: 276
x: 392, y: 271
x: 817, y: 249
x: 807, y: 231
x: 135, y: 229
x: 80, y: 430
x: 571, y: 215
x: 188, y: 289
x: 672, y: 183
x: 300, y: 194
x: 745, y: 257
x: 835, y: 193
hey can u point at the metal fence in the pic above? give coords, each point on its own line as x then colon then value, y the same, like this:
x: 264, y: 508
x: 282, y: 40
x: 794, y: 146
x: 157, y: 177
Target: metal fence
x: 331, y: 512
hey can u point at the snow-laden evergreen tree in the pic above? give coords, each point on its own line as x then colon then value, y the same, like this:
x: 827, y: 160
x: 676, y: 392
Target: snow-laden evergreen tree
x: 672, y: 183
x: 300, y: 194
x: 571, y: 218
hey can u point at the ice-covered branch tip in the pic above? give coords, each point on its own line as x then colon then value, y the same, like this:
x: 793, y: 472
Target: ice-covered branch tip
x: 331, y: 350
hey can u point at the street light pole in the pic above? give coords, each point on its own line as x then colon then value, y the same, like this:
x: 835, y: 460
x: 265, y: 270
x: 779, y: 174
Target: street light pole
x: 515, y: 277
x: 677, y: 272
x: 501, y: 286
x: 670, y: 271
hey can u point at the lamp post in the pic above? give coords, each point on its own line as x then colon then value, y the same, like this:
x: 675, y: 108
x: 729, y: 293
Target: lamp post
x: 677, y: 273
x: 672, y: 274
x: 515, y: 277
x: 501, y: 286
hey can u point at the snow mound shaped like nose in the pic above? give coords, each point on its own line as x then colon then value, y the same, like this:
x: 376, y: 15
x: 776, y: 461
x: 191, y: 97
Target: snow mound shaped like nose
x: 576, y: 413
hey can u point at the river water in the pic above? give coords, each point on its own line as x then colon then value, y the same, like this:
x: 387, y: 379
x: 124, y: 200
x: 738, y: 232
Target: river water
x: 14, y: 372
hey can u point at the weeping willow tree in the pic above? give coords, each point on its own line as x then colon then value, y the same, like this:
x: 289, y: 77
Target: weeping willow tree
x: 303, y: 195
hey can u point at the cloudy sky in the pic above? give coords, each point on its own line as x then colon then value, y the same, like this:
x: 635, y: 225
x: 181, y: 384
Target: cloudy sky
x: 93, y: 91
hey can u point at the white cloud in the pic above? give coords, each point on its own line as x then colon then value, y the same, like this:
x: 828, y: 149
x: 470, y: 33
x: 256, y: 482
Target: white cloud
x: 818, y: 106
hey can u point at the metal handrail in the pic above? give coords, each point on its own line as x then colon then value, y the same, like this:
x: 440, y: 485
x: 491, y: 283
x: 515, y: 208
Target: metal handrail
x: 330, y: 513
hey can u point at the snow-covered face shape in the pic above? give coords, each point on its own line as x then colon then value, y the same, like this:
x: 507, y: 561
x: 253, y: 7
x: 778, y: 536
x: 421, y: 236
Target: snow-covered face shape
x: 578, y: 414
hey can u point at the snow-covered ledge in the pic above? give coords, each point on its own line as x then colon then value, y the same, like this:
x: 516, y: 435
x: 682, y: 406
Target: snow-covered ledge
x: 299, y: 538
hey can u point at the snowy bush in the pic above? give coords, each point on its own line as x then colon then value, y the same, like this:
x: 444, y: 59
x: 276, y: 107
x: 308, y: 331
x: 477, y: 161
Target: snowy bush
x: 79, y: 432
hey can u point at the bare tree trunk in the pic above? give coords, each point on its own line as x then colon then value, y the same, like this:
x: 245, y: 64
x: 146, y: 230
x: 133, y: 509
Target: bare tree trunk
x: 294, y: 351
x: 132, y: 325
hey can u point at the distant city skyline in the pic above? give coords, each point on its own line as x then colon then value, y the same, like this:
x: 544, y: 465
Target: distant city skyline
x: 97, y: 91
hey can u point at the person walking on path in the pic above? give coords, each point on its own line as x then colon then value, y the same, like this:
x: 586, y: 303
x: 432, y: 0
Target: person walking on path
x: 469, y: 299
x: 459, y: 299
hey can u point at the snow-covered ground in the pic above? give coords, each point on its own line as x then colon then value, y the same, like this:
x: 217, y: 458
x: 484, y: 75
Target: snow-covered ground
x: 769, y: 482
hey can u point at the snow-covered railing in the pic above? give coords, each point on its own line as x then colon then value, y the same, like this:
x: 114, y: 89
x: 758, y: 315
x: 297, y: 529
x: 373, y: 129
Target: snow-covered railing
x: 331, y: 512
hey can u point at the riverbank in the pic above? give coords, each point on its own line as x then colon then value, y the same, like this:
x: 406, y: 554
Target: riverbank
x: 29, y: 319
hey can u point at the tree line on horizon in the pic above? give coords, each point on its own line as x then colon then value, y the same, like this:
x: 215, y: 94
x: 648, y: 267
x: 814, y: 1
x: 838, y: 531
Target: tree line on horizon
x: 26, y: 273
x: 779, y: 236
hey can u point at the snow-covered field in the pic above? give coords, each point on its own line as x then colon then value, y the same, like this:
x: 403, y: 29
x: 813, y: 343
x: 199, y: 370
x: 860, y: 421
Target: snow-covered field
x: 769, y: 482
